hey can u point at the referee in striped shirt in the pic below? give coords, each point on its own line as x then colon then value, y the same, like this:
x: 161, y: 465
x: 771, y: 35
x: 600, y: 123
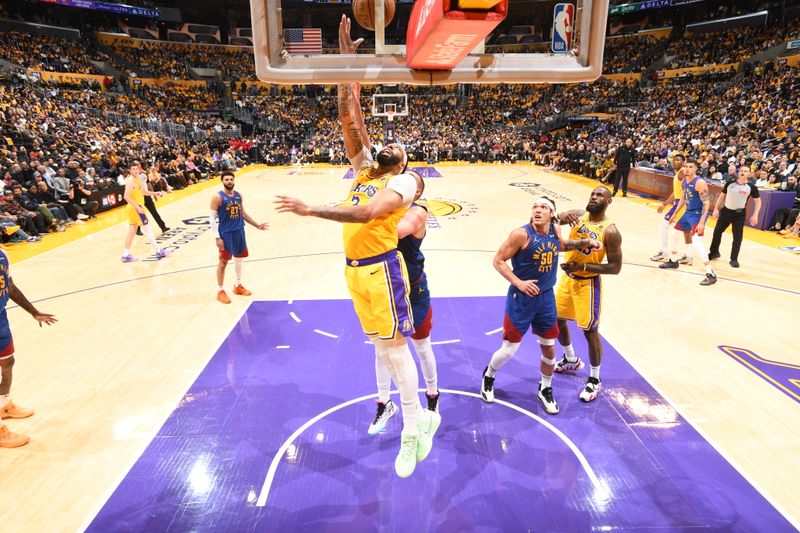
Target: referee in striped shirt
x: 731, y: 210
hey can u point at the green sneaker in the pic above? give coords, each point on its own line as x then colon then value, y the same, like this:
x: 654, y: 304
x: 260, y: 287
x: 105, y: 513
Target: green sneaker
x: 407, y: 458
x: 427, y: 425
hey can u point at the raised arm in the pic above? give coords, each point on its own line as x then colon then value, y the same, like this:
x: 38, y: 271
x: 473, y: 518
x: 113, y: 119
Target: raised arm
x: 351, y: 129
x: 386, y: 201
x: 359, y: 116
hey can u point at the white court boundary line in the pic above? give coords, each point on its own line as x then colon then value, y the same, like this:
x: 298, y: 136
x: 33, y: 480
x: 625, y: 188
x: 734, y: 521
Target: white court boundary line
x: 601, y: 491
x: 764, y: 493
x: 146, y: 442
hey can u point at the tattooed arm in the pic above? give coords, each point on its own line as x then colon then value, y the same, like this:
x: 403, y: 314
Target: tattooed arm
x: 386, y: 201
x: 702, y: 189
x: 612, y: 240
x: 347, y: 99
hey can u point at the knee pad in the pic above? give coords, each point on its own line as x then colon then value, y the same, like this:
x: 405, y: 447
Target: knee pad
x: 546, y: 342
x: 548, y: 361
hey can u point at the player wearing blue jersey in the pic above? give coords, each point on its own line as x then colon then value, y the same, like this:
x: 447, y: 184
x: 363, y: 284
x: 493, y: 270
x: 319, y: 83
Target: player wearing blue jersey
x: 8, y: 409
x: 411, y: 231
x: 227, y: 223
x: 693, y: 222
x: 530, y: 303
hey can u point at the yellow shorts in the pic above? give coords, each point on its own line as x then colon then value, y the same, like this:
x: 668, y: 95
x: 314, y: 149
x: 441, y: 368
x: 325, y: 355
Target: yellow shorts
x: 134, y: 217
x: 579, y: 300
x: 380, y: 296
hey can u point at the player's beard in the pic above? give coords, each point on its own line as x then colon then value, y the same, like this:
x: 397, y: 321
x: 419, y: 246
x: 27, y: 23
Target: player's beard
x: 388, y: 159
x: 595, y: 209
x: 228, y: 189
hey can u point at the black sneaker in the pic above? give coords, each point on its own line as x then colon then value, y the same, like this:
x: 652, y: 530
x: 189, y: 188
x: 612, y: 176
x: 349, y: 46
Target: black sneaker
x: 669, y: 264
x: 487, y: 387
x: 734, y: 263
x: 545, y: 396
x: 710, y: 279
x: 713, y: 255
x: 433, y: 401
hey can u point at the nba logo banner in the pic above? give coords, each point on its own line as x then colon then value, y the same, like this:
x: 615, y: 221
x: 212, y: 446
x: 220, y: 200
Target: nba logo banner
x: 563, y: 17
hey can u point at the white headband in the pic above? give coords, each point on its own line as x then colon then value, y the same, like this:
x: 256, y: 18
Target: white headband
x: 545, y: 202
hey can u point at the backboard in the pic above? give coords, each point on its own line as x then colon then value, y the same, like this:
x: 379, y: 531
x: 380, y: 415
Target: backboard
x: 384, y: 60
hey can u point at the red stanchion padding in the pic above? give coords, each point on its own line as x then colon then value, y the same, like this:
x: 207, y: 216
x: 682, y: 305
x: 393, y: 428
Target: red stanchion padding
x: 437, y: 38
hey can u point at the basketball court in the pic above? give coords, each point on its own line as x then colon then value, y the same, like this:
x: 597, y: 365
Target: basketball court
x: 160, y: 409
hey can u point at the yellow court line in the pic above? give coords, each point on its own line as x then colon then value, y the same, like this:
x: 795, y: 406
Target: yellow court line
x: 758, y: 358
x: 767, y: 238
x: 25, y: 250
x: 765, y: 376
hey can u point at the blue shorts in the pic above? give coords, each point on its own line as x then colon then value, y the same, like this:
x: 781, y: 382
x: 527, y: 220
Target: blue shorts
x: 420, y: 298
x: 689, y: 221
x: 535, y: 312
x: 235, y: 244
x: 5, y: 332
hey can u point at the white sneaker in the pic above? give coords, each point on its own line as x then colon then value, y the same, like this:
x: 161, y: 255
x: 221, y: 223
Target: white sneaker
x: 565, y: 365
x: 487, y: 387
x: 427, y: 425
x: 383, y: 413
x: 685, y: 261
x: 591, y: 390
x: 81, y: 216
x: 545, y: 396
x: 659, y: 257
x: 406, y: 460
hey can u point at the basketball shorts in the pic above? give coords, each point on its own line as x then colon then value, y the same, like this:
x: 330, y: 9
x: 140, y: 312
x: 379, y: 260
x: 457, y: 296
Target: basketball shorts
x: 380, y: 291
x: 235, y: 245
x: 6, y: 341
x: 421, y: 308
x: 523, y: 312
x: 689, y: 221
x: 673, y: 209
x: 134, y: 217
x: 580, y: 300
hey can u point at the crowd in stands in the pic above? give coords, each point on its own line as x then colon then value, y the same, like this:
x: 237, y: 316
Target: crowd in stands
x: 56, y: 155
x: 172, y: 60
x: 727, y: 46
x: 44, y: 52
x: 630, y: 54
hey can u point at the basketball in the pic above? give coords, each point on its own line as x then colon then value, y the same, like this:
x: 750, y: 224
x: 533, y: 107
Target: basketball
x: 364, y: 13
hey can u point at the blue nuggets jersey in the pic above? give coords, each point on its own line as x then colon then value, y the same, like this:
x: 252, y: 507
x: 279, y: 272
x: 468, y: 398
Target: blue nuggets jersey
x: 538, y: 260
x: 693, y: 200
x: 5, y: 284
x: 409, y: 246
x: 230, y: 212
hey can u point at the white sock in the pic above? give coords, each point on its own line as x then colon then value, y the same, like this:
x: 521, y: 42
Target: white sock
x: 501, y: 357
x: 689, y: 253
x: 674, y: 236
x: 594, y: 371
x: 221, y: 288
x: 4, y: 400
x: 569, y: 351
x: 709, y: 270
x: 148, y: 231
x: 126, y: 251
x: 547, y: 381
x: 702, y: 255
x: 427, y: 362
x: 664, y: 234
x: 383, y: 375
x: 407, y: 379
x: 237, y: 266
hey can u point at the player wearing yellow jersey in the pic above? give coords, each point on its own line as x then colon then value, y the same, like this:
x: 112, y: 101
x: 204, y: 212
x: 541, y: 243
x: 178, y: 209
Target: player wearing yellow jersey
x: 579, y: 292
x: 134, y: 195
x: 674, y: 198
x: 375, y: 271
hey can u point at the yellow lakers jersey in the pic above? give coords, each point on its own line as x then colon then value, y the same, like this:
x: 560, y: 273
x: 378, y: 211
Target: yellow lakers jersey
x: 376, y: 236
x: 677, y: 187
x: 136, y: 193
x: 586, y: 229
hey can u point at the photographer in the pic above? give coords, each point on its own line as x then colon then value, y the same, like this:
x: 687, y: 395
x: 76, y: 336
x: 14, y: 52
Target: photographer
x: 83, y: 197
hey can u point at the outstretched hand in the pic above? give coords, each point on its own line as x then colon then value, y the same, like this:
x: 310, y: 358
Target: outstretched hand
x: 287, y: 204
x: 346, y: 43
x: 263, y: 226
x: 45, y: 318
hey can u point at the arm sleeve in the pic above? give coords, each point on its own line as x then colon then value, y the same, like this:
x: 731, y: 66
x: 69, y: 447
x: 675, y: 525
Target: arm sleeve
x: 405, y: 185
x: 754, y: 191
x: 362, y: 159
x: 725, y: 188
x: 215, y: 223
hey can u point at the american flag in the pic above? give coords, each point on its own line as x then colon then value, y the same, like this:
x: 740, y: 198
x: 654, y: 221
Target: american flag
x: 303, y: 40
